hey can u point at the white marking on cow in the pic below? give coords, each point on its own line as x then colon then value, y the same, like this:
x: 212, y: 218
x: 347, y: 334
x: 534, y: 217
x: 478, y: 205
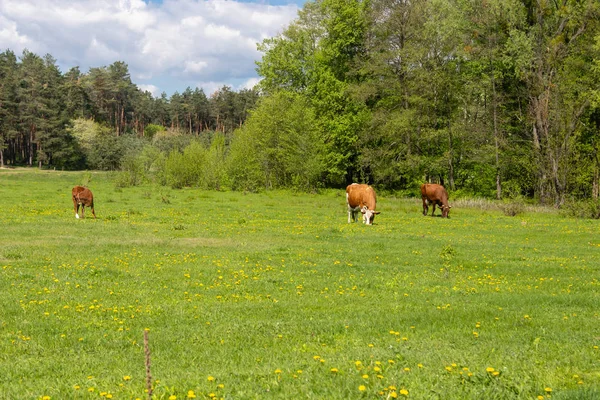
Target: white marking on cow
x: 77, y: 216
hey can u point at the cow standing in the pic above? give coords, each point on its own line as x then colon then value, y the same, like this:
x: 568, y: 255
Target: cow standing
x: 435, y: 194
x: 361, y: 198
x: 82, y: 196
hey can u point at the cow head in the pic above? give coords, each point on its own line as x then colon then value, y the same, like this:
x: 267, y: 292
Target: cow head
x: 368, y: 215
x: 445, y: 211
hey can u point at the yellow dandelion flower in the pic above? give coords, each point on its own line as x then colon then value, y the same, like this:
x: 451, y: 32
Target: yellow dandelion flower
x: 191, y: 394
x: 362, y: 388
x: 317, y: 358
x: 495, y: 373
x: 371, y: 345
x: 420, y: 365
x: 449, y: 369
x: 540, y: 397
x: 126, y: 378
x: 277, y: 371
x: 406, y: 369
x: 391, y: 361
x: 220, y: 386
x: 90, y: 389
x: 334, y: 370
x: 45, y: 397
x: 212, y: 395
x: 379, y: 376
x: 548, y: 390
x: 210, y: 378
x: 376, y: 369
x: 393, y: 395
x: 404, y: 392
x: 365, y: 376
x: 109, y: 396
x: 76, y: 387
x: 172, y: 397
x: 490, y: 369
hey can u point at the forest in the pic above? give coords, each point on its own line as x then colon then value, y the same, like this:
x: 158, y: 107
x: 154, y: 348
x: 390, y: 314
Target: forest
x: 495, y: 98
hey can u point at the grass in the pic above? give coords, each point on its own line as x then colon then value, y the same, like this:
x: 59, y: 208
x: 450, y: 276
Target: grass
x: 275, y: 295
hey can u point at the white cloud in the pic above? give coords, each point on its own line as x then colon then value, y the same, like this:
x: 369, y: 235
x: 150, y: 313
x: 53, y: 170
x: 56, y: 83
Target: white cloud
x: 168, y: 46
x: 150, y: 88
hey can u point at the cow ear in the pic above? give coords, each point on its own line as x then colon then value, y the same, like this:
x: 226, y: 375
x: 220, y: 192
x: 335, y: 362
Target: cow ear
x: 376, y: 212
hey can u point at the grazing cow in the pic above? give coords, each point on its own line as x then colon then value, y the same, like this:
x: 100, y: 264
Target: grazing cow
x: 84, y: 197
x: 435, y: 194
x: 361, y: 198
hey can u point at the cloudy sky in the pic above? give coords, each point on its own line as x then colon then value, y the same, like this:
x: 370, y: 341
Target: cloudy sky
x: 168, y: 45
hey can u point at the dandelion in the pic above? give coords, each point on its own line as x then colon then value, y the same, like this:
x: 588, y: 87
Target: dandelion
x: 126, y: 378
x: 548, y: 390
x: 334, y: 370
x: 76, y: 387
x: 365, y: 376
x: 540, y: 397
x: 496, y: 373
x: 212, y: 395
x: 449, y: 369
x: 45, y: 397
x: 362, y: 388
x: 391, y: 362
x: 172, y: 397
x: 277, y: 371
x: 376, y: 369
x: 393, y: 395
x: 90, y: 389
x: 316, y: 358
x: 210, y: 378
x: 406, y: 369
x: 109, y: 396
x: 191, y: 394
x: 404, y: 392
x: 220, y: 386
x: 420, y: 365
x: 490, y: 369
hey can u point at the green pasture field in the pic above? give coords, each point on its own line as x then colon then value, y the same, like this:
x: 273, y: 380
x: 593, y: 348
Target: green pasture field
x: 275, y: 296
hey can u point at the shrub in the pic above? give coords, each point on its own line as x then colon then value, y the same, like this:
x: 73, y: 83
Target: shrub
x: 513, y: 207
x: 581, y: 208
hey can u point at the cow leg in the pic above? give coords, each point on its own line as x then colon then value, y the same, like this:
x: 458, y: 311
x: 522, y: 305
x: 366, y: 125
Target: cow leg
x: 433, y: 212
x: 350, y: 214
x: 76, y: 208
x: 425, y: 207
x: 82, y: 210
x: 93, y: 213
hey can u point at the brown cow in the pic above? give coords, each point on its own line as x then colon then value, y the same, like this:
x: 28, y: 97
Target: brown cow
x: 84, y: 197
x: 361, y: 198
x: 432, y: 193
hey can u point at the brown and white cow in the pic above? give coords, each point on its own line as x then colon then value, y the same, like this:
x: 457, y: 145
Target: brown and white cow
x: 82, y: 196
x: 361, y: 198
x: 435, y: 194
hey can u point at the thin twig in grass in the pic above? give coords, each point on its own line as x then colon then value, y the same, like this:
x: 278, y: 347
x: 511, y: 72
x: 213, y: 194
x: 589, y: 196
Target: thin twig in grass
x: 148, y: 375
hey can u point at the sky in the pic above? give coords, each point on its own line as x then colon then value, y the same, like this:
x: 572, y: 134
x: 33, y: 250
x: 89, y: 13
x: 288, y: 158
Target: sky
x: 168, y: 45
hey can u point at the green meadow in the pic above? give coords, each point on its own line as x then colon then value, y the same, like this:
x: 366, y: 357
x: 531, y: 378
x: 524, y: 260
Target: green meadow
x: 274, y: 295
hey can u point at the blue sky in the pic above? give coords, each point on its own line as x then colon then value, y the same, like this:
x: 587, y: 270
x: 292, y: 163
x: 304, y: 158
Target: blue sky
x: 168, y: 45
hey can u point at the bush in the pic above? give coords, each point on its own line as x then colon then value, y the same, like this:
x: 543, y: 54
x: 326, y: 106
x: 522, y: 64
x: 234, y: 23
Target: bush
x: 581, y: 209
x: 513, y: 207
x: 185, y: 169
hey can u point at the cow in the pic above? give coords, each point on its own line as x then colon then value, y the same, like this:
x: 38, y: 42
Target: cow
x: 435, y: 194
x: 361, y: 198
x: 84, y: 197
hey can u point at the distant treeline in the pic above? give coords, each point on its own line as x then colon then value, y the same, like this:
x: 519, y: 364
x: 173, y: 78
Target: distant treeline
x: 497, y: 98
x: 39, y: 106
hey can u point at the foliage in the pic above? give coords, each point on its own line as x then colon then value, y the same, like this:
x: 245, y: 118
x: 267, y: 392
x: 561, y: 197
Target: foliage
x: 278, y: 146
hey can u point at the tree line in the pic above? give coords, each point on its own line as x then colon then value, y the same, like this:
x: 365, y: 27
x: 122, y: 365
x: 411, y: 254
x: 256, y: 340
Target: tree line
x: 41, y: 109
x: 499, y: 98
x: 494, y: 98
